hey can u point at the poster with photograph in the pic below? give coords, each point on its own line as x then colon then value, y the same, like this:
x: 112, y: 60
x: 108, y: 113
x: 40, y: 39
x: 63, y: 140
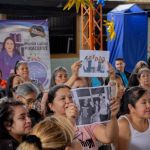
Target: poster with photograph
x: 94, y: 63
x: 93, y: 104
x: 29, y: 41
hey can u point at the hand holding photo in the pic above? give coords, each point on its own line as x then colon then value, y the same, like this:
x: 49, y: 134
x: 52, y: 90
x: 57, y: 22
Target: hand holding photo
x: 93, y: 104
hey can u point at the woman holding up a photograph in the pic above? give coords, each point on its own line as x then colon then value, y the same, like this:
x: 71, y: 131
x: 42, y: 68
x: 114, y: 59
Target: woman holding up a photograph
x: 60, y: 103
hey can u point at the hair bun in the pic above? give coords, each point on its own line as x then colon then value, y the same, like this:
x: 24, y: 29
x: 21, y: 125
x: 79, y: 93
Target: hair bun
x: 33, y: 139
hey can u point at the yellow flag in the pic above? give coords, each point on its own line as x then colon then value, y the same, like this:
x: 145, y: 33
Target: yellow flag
x: 77, y: 4
x: 111, y: 29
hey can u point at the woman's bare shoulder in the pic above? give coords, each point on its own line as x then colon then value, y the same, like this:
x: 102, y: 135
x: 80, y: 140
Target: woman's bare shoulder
x: 124, y: 125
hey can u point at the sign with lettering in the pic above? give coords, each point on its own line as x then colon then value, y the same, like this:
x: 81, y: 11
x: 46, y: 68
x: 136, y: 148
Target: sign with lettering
x: 94, y: 63
x: 29, y: 41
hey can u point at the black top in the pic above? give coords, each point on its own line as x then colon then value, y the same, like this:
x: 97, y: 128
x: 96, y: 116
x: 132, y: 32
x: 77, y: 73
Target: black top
x: 8, y: 144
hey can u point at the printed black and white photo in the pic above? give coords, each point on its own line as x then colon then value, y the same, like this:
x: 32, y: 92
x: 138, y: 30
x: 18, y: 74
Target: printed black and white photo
x: 93, y: 104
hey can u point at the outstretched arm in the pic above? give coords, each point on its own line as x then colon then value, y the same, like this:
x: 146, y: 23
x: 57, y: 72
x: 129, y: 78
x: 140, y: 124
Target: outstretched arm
x: 108, y: 133
x: 111, y: 72
x: 124, y: 135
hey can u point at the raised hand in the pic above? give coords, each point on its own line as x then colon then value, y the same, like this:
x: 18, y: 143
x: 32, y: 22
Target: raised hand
x: 71, y: 112
x: 75, y: 67
x: 114, y: 107
x: 111, y: 72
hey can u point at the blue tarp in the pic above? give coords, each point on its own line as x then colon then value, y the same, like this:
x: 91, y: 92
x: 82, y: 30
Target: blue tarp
x: 131, y: 27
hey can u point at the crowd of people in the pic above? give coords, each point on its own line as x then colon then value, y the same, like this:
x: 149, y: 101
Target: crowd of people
x: 31, y: 118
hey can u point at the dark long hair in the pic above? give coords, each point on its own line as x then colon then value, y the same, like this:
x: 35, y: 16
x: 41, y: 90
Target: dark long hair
x: 6, y: 116
x: 18, y: 64
x: 53, y: 90
x: 52, y: 94
x: 9, y: 87
x: 131, y: 96
x: 10, y: 38
x: 133, y: 80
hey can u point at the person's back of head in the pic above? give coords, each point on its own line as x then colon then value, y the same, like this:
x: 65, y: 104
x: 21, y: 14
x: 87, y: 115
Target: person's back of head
x: 31, y: 142
x: 35, y: 117
x: 133, y: 80
x: 53, y: 133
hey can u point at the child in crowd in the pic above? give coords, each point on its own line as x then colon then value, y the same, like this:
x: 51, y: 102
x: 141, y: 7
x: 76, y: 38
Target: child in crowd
x: 14, y: 124
x: 54, y: 133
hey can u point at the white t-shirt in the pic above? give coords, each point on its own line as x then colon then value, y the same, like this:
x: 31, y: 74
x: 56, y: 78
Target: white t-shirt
x: 139, y: 140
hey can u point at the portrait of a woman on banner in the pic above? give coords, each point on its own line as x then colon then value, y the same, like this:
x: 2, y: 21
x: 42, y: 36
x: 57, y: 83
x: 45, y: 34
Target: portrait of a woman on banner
x: 9, y: 55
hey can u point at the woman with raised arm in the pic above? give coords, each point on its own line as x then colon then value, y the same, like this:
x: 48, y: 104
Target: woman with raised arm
x: 90, y: 136
x: 60, y: 76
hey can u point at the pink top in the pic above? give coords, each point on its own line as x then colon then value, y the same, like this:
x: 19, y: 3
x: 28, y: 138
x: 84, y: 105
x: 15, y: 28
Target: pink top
x: 85, y: 135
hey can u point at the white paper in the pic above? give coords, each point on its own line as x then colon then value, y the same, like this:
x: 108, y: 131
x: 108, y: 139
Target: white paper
x: 94, y: 63
x: 93, y: 104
